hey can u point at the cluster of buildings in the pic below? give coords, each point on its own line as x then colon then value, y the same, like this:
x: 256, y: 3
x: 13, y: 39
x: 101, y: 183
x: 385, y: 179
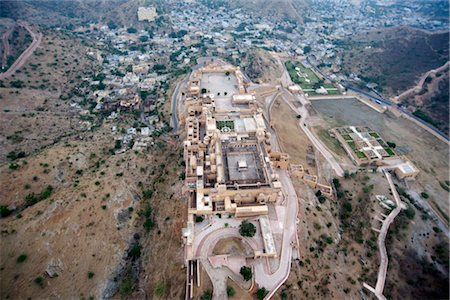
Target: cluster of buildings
x: 229, y: 159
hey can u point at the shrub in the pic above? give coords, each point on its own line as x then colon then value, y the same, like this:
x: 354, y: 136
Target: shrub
x: 16, y: 84
x: 149, y: 224
x: 32, y: 198
x: 424, y: 195
x: 13, y: 155
x: 90, y: 275
x: 329, y: 240
x: 246, y: 272
x: 46, y: 193
x: 322, y: 198
x: 39, y: 281
x: 135, y: 250
x: 207, y: 295
x: 410, y: 212
x: 368, y: 189
x: 13, y: 166
x: 4, y: 211
x: 147, y: 194
x: 261, y: 293
x: 199, y: 219
x: 247, y: 229
x: 230, y: 291
x: 160, y: 289
x: 21, y: 258
x: 436, y: 229
x: 126, y: 286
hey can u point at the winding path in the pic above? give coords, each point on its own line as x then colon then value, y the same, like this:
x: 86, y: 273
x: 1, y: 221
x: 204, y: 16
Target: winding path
x: 418, y: 87
x: 20, y: 61
x: 384, y: 260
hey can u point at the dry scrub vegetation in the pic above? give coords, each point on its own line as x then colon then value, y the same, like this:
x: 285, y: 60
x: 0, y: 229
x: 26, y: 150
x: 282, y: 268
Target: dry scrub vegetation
x: 34, y: 107
x: 86, y: 227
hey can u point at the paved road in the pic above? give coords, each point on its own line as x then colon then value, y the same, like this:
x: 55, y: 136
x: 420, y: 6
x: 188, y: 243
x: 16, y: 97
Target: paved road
x: 20, y: 61
x: 175, y: 97
x: 262, y: 276
x: 382, y: 271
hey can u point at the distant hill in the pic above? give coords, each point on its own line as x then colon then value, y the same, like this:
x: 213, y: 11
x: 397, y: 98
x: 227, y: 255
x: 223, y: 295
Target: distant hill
x: 75, y: 12
x: 280, y: 9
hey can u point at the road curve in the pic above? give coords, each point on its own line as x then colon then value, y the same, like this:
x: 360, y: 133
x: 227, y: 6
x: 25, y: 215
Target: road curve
x: 20, y: 61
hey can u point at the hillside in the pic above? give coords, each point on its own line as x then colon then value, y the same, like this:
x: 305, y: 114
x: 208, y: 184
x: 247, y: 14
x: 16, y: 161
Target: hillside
x: 431, y: 103
x: 394, y: 58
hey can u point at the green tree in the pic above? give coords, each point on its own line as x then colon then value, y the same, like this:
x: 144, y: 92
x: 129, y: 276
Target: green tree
x: 247, y: 229
x: 246, y: 272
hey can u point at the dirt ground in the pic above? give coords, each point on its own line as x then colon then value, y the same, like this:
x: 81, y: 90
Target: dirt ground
x: 38, y: 114
x: 95, y: 194
x: 239, y: 292
x: 292, y: 139
x: 428, y: 153
x: 332, y: 264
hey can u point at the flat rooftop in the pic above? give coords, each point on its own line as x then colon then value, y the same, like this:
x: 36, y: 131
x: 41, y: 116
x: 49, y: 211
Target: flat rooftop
x: 223, y: 87
x: 236, y: 156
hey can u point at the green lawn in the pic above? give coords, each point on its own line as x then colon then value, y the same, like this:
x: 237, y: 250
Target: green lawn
x: 347, y: 137
x: 360, y: 154
x: 333, y: 92
x: 299, y: 77
x: 389, y: 151
x: 228, y: 124
x: 352, y: 145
